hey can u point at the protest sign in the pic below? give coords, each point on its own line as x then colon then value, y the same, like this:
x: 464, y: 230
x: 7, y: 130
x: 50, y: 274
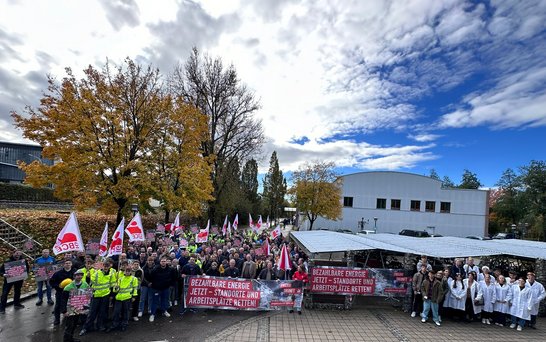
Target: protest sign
x: 194, y: 228
x: 242, y: 294
x: 150, y: 235
x: 41, y: 272
x: 28, y: 246
x: 52, y: 269
x: 15, y: 271
x: 214, y: 229
x: 160, y: 228
x: 183, y: 243
x: 92, y: 247
x: 359, y: 281
x: 78, y: 301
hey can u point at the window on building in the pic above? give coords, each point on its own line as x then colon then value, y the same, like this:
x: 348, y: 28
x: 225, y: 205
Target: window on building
x: 347, y: 201
x: 395, y: 204
x: 415, y: 206
x: 445, y: 207
x: 381, y: 203
x: 430, y: 206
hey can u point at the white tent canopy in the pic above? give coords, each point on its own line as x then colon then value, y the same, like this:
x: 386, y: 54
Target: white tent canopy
x: 322, y: 241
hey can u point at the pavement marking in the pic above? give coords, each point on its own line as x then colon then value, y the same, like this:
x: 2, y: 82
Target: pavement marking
x: 390, y: 326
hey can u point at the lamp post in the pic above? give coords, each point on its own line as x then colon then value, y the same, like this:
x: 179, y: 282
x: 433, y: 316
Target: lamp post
x: 134, y: 208
x: 375, y: 224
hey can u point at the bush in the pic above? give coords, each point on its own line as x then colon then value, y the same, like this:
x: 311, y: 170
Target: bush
x: 18, y: 192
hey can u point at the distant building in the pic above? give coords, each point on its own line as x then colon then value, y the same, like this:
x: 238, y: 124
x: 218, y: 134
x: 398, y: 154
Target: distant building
x: 389, y: 202
x: 11, y: 153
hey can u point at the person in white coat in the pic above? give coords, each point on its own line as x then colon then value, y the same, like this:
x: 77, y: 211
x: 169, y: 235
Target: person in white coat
x: 538, y: 295
x: 489, y: 295
x: 520, y: 299
x: 469, y: 266
x: 457, y: 294
x: 473, y: 289
x: 501, y: 308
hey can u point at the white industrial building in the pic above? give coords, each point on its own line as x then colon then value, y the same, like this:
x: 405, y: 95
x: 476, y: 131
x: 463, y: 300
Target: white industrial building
x: 389, y: 202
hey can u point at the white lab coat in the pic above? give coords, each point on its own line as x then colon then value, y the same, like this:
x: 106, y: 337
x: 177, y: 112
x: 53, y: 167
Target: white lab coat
x: 468, y: 269
x: 521, y: 302
x: 502, y: 293
x: 538, y: 295
x: 489, y: 296
x: 481, y: 277
x: 458, y: 295
x: 475, y: 292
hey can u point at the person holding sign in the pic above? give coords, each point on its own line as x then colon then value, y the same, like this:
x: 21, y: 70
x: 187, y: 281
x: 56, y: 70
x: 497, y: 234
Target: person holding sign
x: 67, y: 272
x: 44, y: 260
x: 14, y: 271
x: 72, y: 320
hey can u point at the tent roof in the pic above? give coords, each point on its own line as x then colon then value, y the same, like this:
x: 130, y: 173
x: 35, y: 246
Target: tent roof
x: 322, y: 241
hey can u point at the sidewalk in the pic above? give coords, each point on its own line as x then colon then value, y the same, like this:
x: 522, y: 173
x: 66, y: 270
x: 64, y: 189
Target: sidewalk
x: 371, y: 324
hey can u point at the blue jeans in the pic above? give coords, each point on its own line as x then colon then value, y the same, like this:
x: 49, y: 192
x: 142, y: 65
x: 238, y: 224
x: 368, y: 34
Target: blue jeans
x: 146, y: 295
x: 519, y: 321
x: 430, y: 305
x: 161, y: 298
x: 41, y: 290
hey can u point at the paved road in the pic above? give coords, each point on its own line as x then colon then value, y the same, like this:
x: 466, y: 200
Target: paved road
x: 375, y: 321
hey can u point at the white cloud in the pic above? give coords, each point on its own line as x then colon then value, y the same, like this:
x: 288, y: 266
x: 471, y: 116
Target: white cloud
x: 424, y: 137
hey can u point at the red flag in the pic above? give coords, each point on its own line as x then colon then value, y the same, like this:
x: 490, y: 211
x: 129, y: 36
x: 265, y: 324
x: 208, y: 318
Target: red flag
x: 135, y: 230
x: 203, y: 235
x: 284, y: 260
x: 276, y: 233
x: 69, y: 238
x: 116, y: 246
x: 103, y: 247
x: 258, y: 224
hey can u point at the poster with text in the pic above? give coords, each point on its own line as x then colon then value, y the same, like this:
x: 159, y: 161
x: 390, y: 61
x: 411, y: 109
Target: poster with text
x: 78, y: 301
x: 15, y: 271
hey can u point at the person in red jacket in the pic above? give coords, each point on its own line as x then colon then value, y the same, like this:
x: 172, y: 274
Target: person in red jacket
x: 300, y: 275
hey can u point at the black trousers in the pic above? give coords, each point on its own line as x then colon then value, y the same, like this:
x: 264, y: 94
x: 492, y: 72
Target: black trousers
x: 417, y: 303
x: 98, y: 311
x: 70, y: 325
x: 17, y: 285
x: 121, y: 313
x: 57, y: 308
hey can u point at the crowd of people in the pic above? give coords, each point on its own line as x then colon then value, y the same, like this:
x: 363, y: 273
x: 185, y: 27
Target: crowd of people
x: 148, y: 278
x: 467, y: 292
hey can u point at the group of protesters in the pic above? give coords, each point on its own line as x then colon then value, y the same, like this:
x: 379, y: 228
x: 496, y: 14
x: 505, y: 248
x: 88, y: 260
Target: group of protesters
x: 148, y: 278
x: 467, y: 292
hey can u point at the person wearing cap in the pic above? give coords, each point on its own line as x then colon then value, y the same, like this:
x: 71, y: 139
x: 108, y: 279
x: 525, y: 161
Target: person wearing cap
x: 538, y: 292
x: 72, y: 320
x: 67, y: 272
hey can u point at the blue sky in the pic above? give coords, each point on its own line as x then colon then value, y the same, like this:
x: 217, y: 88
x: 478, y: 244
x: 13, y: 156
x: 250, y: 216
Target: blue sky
x: 370, y: 85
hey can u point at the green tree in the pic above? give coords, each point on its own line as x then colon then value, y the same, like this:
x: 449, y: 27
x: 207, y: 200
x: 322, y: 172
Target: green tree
x: 533, y: 177
x: 469, y: 180
x: 433, y: 174
x: 249, y: 180
x: 509, y: 206
x: 274, y: 188
x: 100, y: 131
x: 317, y: 191
x: 447, y: 182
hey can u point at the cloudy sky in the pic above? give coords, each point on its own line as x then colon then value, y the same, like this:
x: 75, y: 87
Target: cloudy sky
x: 370, y: 85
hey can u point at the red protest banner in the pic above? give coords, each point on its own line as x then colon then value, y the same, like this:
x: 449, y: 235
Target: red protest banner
x: 222, y: 293
x: 339, y: 280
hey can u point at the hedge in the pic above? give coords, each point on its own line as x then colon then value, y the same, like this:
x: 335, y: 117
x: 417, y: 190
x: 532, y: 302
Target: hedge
x: 18, y: 192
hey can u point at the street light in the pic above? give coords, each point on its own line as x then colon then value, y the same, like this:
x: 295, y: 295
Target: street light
x: 375, y: 224
x: 134, y: 208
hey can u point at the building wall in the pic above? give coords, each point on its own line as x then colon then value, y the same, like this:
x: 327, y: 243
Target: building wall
x: 11, y: 153
x: 467, y: 214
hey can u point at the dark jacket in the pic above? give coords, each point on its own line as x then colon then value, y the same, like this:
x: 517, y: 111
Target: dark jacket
x: 437, y: 290
x: 3, y: 269
x: 191, y: 270
x: 263, y: 274
x: 162, y: 278
x: 146, y: 275
x: 59, y: 276
x: 231, y: 272
x: 213, y: 272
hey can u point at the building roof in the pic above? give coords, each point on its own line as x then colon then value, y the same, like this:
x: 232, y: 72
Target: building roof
x: 322, y: 241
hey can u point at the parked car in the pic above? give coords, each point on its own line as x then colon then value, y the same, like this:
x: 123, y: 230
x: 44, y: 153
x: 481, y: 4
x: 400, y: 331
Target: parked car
x: 476, y: 237
x: 346, y: 231
x: 365, y: 232
x: 436, y: 235
x: 414, y: 233
x: 502, y: 236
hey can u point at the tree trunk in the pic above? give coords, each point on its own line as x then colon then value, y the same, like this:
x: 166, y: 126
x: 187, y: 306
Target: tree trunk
x: 167, y: 215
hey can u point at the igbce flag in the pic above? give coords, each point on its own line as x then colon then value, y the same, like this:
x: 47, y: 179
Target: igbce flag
x: 225, y: 226
x: 203, y: 235
x: 103, y: 248
x: 69, y: 238
x: 134, y: 230
x: 275, y: 233
x: 236, y: 222
x: 116, y: 246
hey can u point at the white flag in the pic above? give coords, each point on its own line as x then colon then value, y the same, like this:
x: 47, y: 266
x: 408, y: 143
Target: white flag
x: 134, y: 230
x: 275, y: 233
x: 69, y: 238
x: 116, y: 246
x: 236, y: 222
x: 103, y: 248
x: 224, y: 227
x: 203, y: 235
